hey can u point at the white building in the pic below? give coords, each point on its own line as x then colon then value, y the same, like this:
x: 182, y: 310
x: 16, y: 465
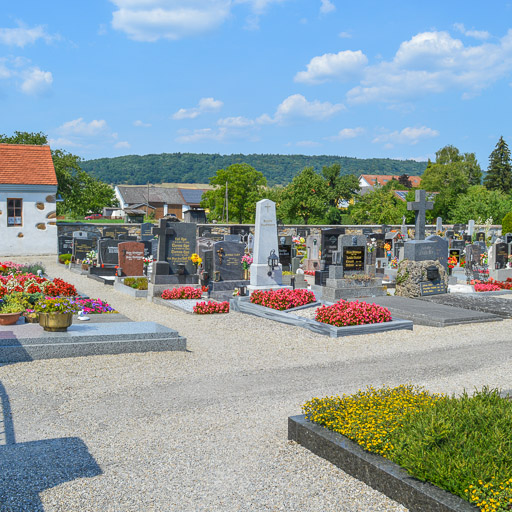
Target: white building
x: 28, y: 189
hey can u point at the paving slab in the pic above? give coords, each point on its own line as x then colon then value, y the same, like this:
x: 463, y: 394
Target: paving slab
x: 484, y: 303
x: 28, y: 342
x: 431, y: 313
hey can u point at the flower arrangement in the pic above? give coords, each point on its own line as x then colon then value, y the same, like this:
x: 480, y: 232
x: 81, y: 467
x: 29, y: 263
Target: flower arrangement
x: 309, y: 272
x: 283, y: 298
x: 300, y: 245
x: 483, y: 259
x: 56, y: 305
x: 148, y: 260
x: 344, y: 313
x: 91, y: 257
x: 393, y: 263
x: 371, y: 245
x: 387, y: 247
x: 452, y: 261
x: 93, y: 306
x: 196, y: 259
x: 182, y: 292
x: 246, y: 261
x: 211, y: 307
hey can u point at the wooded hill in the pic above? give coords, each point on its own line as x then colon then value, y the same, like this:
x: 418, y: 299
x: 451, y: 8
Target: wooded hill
x: 198, y: 168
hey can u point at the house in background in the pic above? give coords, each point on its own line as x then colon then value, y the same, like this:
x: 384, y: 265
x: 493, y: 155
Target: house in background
x: 162, y: 200
x: 368, y: 182
x: 28, y: 190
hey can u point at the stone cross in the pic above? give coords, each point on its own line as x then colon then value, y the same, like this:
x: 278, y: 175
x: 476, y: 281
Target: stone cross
x: 163, y: 233
x: 420, y: 206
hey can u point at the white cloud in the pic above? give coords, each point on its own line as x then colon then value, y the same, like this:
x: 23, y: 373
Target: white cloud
x: 431, y: 63
x: 348, y: 133
x: 235, y: 122
x: 80, y: 127
x: 122, y: 145
x: 297, y: 106
x: 307, y: 144
x: 409, y: 135
x: 476, y: 34
x: 327, y: 6
x: 22, y: 35
x: 36, y: 81
x: 141, y: 124
x: 205, y: 105
x: 151, y: 20
x: 343, y: 66
x: 202, y: 134
x: 345, y: 35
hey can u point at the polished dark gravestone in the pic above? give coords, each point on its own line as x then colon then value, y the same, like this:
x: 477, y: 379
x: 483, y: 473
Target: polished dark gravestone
x: 285, y: 252
x: 380, y: 239
x: 146, y: 231
x: 501, y: 257
x: 433, y: 248
x: 115, y: 232
x: 108, y: 252
x: 207, y: 232
x: 329, y: 243
x: 455, y: 253
x: 65, y: 245
x: 227, y: 260
x: 82, y: 246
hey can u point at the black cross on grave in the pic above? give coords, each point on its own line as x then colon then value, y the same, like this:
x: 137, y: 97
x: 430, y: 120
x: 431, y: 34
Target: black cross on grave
x: 163, y: 233
x: 420, y: 206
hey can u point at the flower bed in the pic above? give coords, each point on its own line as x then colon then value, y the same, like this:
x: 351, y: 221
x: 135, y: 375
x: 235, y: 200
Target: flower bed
x: 502, y: 285
x: 210, y: 307
x: 283, y: 299
x: 93, y: 306
x: 461, y: 444
x: 30, y: 283
x: 182, y: 292
x: 486, y: 287
x: 344, y: 313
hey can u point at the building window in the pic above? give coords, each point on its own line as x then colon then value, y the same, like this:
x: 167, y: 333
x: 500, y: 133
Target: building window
x: 14, y: 212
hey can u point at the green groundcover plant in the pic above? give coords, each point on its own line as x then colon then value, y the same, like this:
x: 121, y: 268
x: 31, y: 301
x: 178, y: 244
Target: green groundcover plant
x: 461, y: 444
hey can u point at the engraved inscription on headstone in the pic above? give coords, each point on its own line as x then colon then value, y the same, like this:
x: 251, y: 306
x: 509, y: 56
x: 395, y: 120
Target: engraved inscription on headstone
x: 353, y: 258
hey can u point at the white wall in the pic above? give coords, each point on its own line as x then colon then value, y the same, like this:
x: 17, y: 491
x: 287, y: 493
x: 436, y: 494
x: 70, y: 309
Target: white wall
x: 28, y: 239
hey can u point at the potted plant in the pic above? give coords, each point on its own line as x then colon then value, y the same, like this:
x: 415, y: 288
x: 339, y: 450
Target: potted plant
x: 10, y: 310
x: 56, y: 313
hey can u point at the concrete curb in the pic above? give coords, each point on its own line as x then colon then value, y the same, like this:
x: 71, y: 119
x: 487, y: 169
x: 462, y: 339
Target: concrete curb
x: 376, y: 471
x: 244, y: 306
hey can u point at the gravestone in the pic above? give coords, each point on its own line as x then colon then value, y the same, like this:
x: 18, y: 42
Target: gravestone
x: 265, y: 245
x: 471, y: 227
x: 459, y: 228
x: 433, y: 248
x: 131, y: 258
x: 206, y: 232
x: 285, y: 252
x: 146, y: 231
x: 227, y: 260
x: 420, y: 206
x: 231, y: 238
x: 329, y: 243
x: 303, y: 232
x: 351, y: 253
x: 456, y: 253
x: 501, y: 255
x: 380, y: 252
x: 398, y: 245
x: 148, y: 248
x: 161, y: 265
x: 114, y: 231
x: 83, y: 242
x: 313, y: 253
x: 250, y: 243
x: 65, y: 245
x: 480, y: 236
x: 108, y: 252
x: 180, y: 246
x: 450, y: 233
x: 366, y: 231
x: 403, y: 228
x: 439, y: 225
x: 508, y: 238
x: 239, y: 230
x: 458, y: 244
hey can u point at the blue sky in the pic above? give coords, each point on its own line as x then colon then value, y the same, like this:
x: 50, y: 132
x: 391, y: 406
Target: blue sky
x: 366, y: 79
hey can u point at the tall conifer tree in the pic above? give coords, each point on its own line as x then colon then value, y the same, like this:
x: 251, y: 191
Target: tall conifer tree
x: 499, y: 173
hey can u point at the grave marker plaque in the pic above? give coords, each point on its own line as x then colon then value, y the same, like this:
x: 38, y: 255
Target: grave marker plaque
x: 501, y: 255
x: 456, y: 253
x: 81, y: 246
x: 353, y: 258
x: 435, y: 287
x: 108, y: 253
x: 227, y: 260
x: 65, y: 245
x: 146, y: 231
x: 285, y: 251
x: 180, y: 247
x: 329, y: 243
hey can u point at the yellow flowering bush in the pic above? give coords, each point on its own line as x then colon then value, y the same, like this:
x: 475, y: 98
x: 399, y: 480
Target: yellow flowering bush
x: 461, y: 444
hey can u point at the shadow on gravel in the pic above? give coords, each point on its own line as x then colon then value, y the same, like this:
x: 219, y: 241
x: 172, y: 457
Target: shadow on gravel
x: 27, y: 469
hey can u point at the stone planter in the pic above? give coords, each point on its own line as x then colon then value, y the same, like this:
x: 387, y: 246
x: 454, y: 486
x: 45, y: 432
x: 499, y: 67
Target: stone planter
x: 9, y: 318
x: 55, y: 322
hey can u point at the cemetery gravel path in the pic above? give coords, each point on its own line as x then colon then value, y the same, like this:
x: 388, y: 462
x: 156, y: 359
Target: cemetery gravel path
x: 206, y: 430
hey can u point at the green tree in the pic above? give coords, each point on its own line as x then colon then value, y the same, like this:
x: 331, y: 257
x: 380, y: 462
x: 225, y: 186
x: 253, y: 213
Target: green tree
x: 481, y: 202
x: 339, y: 187
x: 245, y: 187
x: 81, y: 193
x: 380, y: 206
x: 305, y: 199
x: 499, y: 172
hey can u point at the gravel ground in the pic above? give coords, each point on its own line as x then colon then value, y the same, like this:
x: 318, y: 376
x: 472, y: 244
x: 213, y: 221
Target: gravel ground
x: 206, y: 429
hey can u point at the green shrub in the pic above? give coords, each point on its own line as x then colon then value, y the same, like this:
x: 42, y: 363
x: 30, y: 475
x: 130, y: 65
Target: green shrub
x: 506, y: 224
x: 32, y: 268
x: 64, y: 257
x: 138, y: 283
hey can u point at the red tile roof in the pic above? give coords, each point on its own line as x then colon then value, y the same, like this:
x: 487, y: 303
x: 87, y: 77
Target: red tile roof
x: 26, y: 165
x: 382, y: 179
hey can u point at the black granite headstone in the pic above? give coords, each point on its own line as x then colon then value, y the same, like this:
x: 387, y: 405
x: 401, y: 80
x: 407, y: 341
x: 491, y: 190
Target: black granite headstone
x: 146, y: 231
x: 180, y: 246
x: 108, y: 252
x: 380, y: 252
x: 239, y: 230
x: 227, y: 260
x: 81, y: 246
x: 456, y: 253
x: 508, y: 238
x: 321, y: 277
x: 329, y: 243
x: 458, y: 244
x: 433, y: 248
x: 65, y: 245
x: 285, y: 252
x: 114, y: 231
x: 480, y: 236
x: 303, y: 232
x: 501, y: 255
x: 459, y: 228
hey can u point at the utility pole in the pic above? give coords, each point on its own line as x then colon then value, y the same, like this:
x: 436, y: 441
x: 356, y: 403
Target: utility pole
x: 227, y: 204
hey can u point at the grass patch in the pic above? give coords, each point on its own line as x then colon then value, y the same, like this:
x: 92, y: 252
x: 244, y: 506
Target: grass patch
x: 461, y: 444
x: 137, y: 283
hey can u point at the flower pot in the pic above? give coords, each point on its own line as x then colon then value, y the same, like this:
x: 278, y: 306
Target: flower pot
x: 32, y: 318
x: 9, y: 318
x: 55, y: 322
x: 85, y: 266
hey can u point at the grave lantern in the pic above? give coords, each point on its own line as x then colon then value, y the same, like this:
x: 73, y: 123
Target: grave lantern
x: 273, y: 262
x: 432, y: 273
